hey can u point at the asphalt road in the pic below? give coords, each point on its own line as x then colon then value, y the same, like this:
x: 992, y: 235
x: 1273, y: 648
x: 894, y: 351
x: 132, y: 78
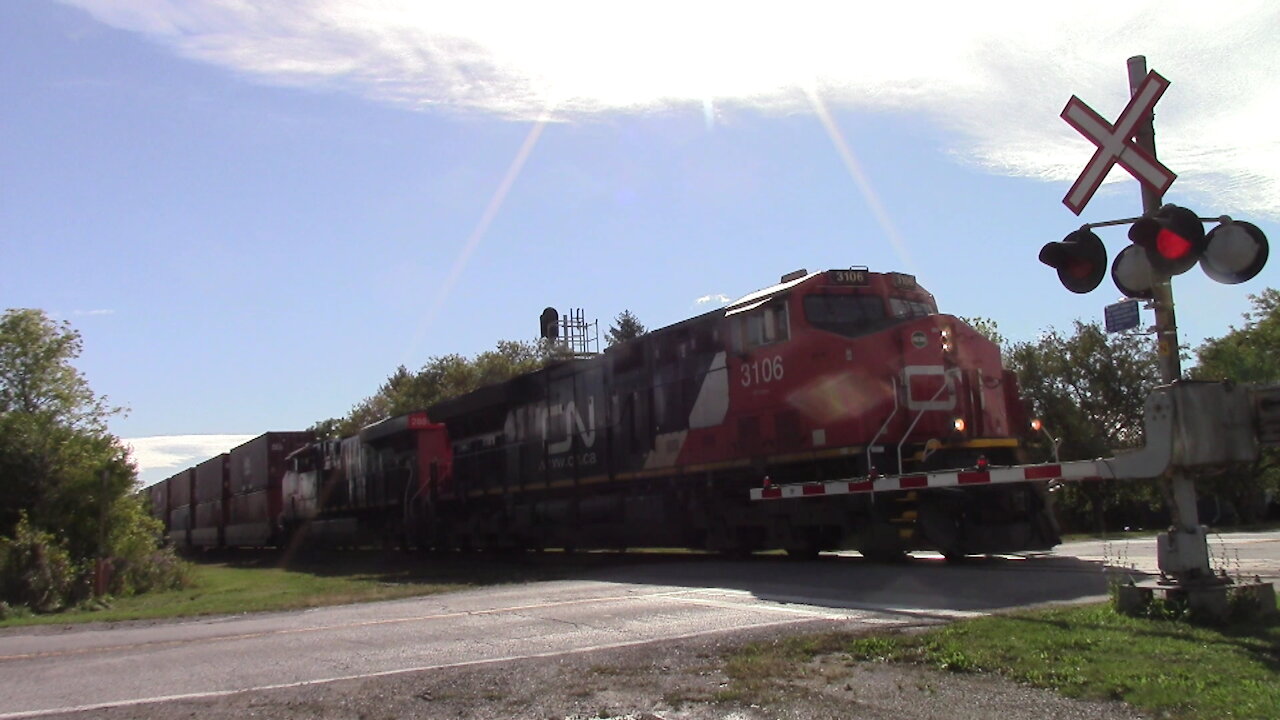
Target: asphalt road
x: 50, y: 670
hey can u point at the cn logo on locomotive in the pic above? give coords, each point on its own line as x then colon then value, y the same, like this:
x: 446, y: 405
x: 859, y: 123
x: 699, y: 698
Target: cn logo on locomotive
x: 555, y: 425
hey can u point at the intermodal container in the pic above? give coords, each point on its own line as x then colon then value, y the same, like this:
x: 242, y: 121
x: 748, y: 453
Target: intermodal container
x: 178, y: 488
x: 210, y: 502
x: 255, y: 487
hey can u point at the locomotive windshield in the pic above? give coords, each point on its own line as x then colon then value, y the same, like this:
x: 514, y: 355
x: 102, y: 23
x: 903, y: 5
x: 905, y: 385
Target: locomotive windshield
x: 848, y: 315
x: 854, y: 315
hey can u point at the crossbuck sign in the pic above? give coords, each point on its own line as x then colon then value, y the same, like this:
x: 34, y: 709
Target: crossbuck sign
x: 1115, y: 143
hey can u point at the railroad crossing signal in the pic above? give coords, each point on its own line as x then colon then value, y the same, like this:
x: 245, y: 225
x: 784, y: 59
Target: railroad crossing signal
x: 1235, y: 251
x: 1166, y: 242
x: 1080, y: 259
x: 1173, y: 237
x: 1133, y: 275
x: 1115, y: 143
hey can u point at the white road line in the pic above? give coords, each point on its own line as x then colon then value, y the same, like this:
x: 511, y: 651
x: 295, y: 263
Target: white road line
x: 134, y: 702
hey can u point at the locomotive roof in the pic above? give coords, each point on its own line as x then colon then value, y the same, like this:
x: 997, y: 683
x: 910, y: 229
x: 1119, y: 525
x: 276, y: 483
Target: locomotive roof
x: 753, y: 299
x: 759, y: 297
x: 511, y: 391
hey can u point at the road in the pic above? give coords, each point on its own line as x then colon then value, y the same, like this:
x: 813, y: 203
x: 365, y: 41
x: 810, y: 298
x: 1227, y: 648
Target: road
x: 48, y: 671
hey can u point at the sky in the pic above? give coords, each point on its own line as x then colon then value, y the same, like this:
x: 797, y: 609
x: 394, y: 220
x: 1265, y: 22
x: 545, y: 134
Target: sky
x: 253, y: 212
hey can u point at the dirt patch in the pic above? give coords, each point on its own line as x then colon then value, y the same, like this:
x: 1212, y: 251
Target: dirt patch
x: 684, y: 680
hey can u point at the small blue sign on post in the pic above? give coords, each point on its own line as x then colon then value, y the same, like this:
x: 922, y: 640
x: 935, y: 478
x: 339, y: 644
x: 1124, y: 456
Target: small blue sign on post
x: 1121, y: 316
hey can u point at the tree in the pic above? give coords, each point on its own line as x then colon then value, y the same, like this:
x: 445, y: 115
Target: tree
x: 987, y: 328
x: 52, y: 425
x: 1250, y: 354
x: 626, y: 326
x: 36, y: 375
x: 61, y: 472
x: 1247, y: 354
x: 442, y: 378
x: 1090, y: 391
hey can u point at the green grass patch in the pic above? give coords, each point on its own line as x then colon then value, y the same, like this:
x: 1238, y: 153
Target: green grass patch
x: 255, y: 582
x: 1170, y: 668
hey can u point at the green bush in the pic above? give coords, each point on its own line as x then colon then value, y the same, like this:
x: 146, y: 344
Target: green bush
x: 36, y: 570
x: 137, y: 563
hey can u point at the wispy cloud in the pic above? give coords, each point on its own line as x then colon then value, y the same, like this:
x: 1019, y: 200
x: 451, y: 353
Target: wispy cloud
x: 175, y: 452
x: 91, y: 313
x: 718, y: 299
x: 992, y: 76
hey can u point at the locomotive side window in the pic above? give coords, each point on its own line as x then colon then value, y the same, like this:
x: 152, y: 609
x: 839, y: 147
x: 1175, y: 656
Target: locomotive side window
x: 848, y: 315
x: 764, y: 326
x: 903, y: 308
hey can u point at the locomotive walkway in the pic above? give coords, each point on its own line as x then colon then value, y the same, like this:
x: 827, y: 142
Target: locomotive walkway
x: 48, y: 671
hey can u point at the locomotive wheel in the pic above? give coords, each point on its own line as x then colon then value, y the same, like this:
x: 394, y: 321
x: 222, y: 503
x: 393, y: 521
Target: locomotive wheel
x: 879, y: 542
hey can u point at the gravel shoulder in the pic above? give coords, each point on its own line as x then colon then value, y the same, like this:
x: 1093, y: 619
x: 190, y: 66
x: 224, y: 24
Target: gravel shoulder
x: 683, y: 680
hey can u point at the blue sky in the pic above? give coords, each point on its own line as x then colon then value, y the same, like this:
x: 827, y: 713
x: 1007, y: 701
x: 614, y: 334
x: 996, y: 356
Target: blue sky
x: 254, y: 214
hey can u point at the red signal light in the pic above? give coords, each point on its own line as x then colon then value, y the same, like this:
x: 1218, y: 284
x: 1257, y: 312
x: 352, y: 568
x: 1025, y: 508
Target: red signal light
x: 1079, y: 268
x: 1173, y: 237
x: 1080, y: 259
x: 1171, y: 245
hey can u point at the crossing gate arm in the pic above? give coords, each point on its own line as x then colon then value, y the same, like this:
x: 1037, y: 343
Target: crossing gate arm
x: 1187, y: 424
x: 1063, y: 472
x: 1148, y: 462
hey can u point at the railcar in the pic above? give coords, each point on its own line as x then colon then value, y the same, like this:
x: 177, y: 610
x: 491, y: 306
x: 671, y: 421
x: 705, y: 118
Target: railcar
x: 208, y: 502
x: 372, y: 487
x: 830, y: 374
x: 176, y: 513
x: 230, y: 500
x: 254, y: 493
x: 157, y: 499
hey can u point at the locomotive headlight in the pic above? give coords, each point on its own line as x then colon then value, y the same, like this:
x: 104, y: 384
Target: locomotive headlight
x: 948, y: 340
x: 1036, y: 425
x: 960, y: 424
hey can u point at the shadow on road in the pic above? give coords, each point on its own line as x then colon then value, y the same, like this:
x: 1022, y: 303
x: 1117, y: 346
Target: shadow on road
x: 922, y: 583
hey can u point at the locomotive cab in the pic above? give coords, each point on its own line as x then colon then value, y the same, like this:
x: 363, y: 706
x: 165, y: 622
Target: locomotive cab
x: 860, y: 367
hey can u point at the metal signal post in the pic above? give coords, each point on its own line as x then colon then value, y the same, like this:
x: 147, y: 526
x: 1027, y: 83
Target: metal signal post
x: 1184, y: 551
x: 1152, y: 199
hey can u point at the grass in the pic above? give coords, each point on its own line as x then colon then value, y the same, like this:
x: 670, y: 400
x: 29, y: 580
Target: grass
x: 256, y: 582
x: 1168, y: 668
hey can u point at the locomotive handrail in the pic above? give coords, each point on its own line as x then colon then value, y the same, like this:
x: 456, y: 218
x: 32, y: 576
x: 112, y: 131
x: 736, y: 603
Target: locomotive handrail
x: 945, y: 384
x: 871, y: 445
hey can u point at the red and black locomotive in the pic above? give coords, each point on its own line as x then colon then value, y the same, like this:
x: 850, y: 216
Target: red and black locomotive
x: 657, y: 441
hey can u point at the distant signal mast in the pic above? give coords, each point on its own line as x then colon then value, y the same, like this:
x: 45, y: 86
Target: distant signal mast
x: 582, y: 338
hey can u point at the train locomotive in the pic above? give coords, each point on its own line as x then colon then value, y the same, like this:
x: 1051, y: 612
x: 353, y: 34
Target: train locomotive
x: 657, y: 441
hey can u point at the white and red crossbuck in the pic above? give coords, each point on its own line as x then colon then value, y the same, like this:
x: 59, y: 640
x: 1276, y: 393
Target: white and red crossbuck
x: 1115, y: 143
